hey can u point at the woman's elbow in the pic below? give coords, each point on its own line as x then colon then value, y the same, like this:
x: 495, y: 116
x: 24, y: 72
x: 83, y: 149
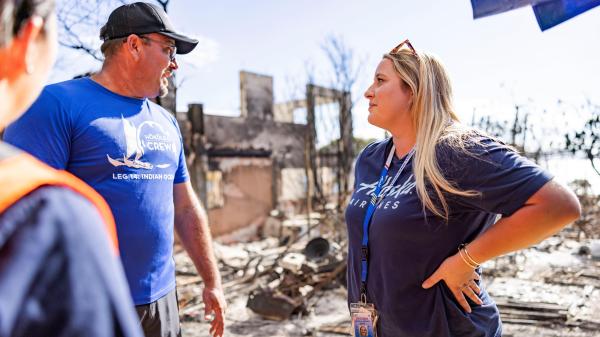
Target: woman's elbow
x: 563, y: 203
x: 572, y: 208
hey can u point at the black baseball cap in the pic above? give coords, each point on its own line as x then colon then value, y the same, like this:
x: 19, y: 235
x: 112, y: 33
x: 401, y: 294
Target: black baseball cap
x: 144, y: 18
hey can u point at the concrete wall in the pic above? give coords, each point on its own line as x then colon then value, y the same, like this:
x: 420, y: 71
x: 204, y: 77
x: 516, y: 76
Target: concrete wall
x: 256, y: 96
x: 284, y: 140
x: 256, y: 162
x: 247, y: 193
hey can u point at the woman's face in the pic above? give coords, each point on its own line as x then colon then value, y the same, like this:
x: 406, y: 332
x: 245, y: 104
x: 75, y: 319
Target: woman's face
x: 389, y: 98
x: 37, y: 56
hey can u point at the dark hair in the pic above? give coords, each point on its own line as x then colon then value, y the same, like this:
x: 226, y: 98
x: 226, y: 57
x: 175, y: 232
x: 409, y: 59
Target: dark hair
x: 15, y: 13
x: 110, y: 47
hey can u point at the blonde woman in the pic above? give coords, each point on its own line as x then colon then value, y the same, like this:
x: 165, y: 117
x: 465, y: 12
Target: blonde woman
x: 423, y: 214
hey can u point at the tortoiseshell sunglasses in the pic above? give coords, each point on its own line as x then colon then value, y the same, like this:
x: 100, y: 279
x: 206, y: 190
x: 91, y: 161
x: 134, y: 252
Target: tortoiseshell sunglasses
x: 402, y: 44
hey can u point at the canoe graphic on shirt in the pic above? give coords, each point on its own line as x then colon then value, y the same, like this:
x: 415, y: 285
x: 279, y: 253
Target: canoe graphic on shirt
x: 135, y: 146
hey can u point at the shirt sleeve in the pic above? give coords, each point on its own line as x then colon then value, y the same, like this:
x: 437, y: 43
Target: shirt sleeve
x: 44, y: 131
x: 504, y: 179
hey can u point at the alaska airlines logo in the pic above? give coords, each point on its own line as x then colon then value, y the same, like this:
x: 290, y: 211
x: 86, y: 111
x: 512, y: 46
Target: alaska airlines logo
x: 148, y: 136
x: 389, y: 191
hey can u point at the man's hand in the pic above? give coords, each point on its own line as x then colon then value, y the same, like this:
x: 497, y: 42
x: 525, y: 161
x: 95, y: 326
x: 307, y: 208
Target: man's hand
x: 460, y: 279
x: 214, y: 306
x: 191, y: 224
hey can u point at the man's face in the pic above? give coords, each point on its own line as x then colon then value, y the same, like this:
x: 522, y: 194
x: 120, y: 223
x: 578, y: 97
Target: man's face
x: 158, y: 63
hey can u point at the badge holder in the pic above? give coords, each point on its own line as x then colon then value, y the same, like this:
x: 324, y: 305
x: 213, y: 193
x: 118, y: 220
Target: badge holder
x: 364, y: 318
x: 363, y: 314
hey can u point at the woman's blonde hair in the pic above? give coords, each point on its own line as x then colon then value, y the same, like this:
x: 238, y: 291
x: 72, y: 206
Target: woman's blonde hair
x: 434, y: 120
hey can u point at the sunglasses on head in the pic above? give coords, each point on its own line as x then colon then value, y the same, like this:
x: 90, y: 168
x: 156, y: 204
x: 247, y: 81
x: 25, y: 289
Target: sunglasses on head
x: 405, y: 43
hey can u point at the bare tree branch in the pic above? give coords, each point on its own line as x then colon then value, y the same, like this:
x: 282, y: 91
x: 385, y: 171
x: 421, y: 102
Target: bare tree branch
x: 79, y: 23
x: 345, y: 68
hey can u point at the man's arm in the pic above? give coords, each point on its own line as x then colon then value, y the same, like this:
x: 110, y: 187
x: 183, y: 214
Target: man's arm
x: 191, y: 224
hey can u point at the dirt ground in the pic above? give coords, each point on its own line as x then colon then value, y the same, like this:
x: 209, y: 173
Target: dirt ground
x: 553, y: 273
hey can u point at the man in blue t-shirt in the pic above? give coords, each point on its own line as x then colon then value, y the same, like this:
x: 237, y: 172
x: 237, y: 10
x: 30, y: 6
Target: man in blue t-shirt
x: 104, y: 130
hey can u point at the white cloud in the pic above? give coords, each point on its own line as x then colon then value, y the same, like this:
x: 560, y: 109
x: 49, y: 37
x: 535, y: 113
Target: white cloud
x: 206, y: 52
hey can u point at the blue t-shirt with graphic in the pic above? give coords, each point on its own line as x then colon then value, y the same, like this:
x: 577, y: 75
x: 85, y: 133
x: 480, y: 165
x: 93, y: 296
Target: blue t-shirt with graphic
x: 407, y: 244
x: 130, y: 151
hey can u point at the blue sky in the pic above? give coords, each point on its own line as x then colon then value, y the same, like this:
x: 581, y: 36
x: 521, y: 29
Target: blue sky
x: 494, y: 62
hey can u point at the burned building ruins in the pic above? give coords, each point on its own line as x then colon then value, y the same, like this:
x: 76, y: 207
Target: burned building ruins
x: 244, y: 167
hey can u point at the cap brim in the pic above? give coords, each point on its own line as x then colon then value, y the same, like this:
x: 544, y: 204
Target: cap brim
x: 183, y: 43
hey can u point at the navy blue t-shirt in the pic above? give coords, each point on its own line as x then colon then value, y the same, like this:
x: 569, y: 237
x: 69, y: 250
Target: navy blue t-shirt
x: 407, y: 244
x: 131, y: 152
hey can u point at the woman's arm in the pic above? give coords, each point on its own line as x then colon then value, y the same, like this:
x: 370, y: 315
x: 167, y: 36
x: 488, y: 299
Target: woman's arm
x: 547, y: 211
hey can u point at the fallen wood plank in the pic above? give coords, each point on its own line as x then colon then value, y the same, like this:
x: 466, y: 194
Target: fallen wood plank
x: 340, y: 328
x: 533, y: 306
x: 558, y: 317
x: 522, y: 321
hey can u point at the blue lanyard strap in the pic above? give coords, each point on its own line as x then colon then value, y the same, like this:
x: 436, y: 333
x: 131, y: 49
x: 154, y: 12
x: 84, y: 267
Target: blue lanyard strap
x: 376, y: 197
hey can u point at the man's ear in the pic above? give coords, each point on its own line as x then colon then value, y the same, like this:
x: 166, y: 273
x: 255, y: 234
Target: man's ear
x: 21, y: 52
x: 134, y: 46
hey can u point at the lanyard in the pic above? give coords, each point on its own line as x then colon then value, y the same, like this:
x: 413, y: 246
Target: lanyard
x: 376, y: 197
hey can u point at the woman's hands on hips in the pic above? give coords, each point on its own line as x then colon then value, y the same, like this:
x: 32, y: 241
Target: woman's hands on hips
x: 460, y: 279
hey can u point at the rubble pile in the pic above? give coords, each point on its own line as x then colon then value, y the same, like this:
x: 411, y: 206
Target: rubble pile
x: 275, y: 285
x: 552, y: 287
x: 296, y: 278
x: 277, y: 275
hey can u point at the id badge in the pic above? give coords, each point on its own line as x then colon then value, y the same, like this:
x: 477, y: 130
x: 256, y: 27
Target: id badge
x: 364, y: 319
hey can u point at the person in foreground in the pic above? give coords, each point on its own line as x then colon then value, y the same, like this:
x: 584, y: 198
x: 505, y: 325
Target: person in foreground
x: 424, y: 213
x: 106, y: 131
x: 59, y: 270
